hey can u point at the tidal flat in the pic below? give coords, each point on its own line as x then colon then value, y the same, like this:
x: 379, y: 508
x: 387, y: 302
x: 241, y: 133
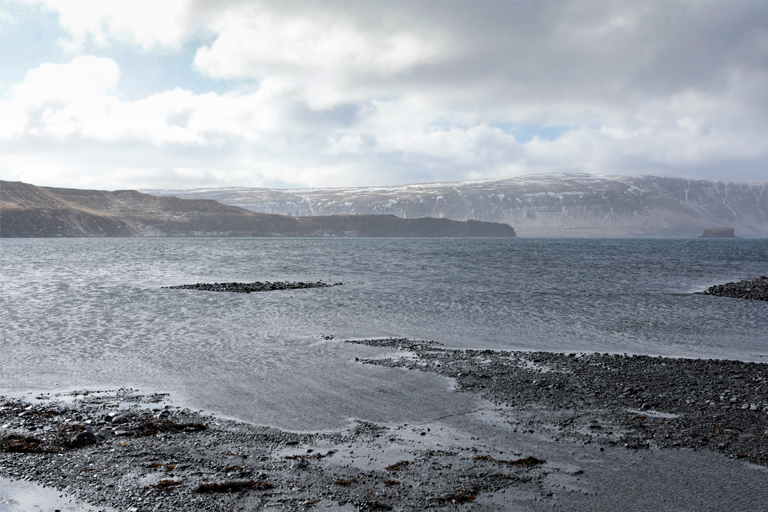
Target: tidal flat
x: 550, y: 432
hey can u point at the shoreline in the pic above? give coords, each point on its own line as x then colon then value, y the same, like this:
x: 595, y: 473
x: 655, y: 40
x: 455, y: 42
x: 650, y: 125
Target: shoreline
x: 547, y: 428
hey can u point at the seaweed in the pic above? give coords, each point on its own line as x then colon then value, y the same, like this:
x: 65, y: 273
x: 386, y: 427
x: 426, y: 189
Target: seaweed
x: 17, y: 443
x: 529, y: 461
x: 233, y: 486
x: 398, y: 466
x: 166, y: 485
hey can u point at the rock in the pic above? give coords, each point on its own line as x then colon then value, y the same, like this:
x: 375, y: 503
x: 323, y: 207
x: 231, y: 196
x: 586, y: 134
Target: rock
x: 718, y: 233
x: 84, y: 439
x: 120, y: 418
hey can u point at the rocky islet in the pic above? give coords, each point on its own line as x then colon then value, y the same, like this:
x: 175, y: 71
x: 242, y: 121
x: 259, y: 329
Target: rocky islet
x: 258, y: 286
x: 754, y: 289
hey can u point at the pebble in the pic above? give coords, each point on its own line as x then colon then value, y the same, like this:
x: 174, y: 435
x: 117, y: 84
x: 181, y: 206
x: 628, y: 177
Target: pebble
x: 121, y: 418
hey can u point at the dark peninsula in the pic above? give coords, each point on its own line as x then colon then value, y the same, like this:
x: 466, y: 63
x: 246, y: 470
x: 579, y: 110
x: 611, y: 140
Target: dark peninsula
x: 29, y: 211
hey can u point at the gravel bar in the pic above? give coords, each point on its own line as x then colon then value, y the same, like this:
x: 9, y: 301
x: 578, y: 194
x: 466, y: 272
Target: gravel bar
x: 251, y: 287
x: 754, y: 289
x: 718, y: 405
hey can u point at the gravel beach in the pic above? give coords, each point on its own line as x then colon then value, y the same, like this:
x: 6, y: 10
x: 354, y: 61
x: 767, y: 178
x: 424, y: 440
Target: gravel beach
x: 551, y: 431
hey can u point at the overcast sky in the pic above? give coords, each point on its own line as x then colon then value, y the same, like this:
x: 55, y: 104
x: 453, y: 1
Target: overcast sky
x: 185, y: 94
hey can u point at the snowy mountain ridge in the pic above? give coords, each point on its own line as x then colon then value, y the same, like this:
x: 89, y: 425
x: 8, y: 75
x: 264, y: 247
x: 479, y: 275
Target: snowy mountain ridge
x: 535, y: 205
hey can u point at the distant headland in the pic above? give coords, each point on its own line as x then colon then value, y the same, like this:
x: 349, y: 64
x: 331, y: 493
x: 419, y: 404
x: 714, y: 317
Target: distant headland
x: 29, y: 211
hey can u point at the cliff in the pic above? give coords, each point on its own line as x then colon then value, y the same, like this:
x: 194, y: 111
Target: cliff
x: 31, y: 211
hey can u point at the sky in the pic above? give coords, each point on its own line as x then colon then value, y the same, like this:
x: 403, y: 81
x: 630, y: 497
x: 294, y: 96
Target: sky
x: 285, y: 94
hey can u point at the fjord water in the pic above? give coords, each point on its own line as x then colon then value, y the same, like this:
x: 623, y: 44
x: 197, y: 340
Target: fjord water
x: 91, y: 313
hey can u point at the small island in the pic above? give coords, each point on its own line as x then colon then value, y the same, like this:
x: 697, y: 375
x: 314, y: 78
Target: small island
x: 718, y: 233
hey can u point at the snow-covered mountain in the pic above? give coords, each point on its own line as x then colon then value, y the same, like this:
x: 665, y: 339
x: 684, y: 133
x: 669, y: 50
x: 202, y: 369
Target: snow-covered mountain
x: 535, y: 205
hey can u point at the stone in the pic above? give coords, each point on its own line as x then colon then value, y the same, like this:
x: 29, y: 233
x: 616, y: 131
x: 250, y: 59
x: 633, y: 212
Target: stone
x: 120, y: 418
x: 84, y: 439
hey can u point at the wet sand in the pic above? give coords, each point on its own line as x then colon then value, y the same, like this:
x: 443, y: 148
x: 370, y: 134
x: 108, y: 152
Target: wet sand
x: 550, y: 432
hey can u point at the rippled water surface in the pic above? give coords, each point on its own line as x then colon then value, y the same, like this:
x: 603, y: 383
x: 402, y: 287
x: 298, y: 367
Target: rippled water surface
x: 91, y: 313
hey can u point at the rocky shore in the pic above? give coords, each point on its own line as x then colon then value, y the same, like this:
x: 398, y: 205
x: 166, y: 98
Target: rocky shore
x: 644, y: 401
x: 755, y: 289
x: 107, y: 450
x: 544, y: 422
x: 251, y: 287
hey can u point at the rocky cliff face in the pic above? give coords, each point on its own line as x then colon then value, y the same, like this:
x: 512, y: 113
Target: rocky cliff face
x: 538, y: 205
x: 30, y: 211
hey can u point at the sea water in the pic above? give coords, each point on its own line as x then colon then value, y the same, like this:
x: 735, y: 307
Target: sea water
x: 92, y: 313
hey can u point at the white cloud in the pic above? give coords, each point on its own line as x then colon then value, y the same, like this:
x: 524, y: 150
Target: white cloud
x: 255, y: 42
x: 352, y: 93
x: 148, y: 24
x: 6, y: 19
x: 13, y: 119
x: 79, y: 81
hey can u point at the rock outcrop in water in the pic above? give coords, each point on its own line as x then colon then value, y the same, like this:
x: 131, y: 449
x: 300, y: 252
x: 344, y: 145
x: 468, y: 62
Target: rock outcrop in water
x: 31, y: 211
x: 571, y: 205
x: 251, y: 287
x: 718, y: 233
x: 755, y: 289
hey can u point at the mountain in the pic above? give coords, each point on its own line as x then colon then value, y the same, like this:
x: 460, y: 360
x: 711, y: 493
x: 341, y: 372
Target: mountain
x: 31, y: 211
x: 537, y: 205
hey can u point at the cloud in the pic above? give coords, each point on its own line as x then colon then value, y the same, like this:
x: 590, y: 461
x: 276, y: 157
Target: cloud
x: 79, y: 81
x: 364, y: 93
x: 149, y: 24
x: 6, y: 19
x: 253, y: 41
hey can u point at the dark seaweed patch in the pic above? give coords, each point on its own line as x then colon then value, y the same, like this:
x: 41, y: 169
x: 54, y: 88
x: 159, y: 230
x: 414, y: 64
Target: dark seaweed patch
x: 233, y: 486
